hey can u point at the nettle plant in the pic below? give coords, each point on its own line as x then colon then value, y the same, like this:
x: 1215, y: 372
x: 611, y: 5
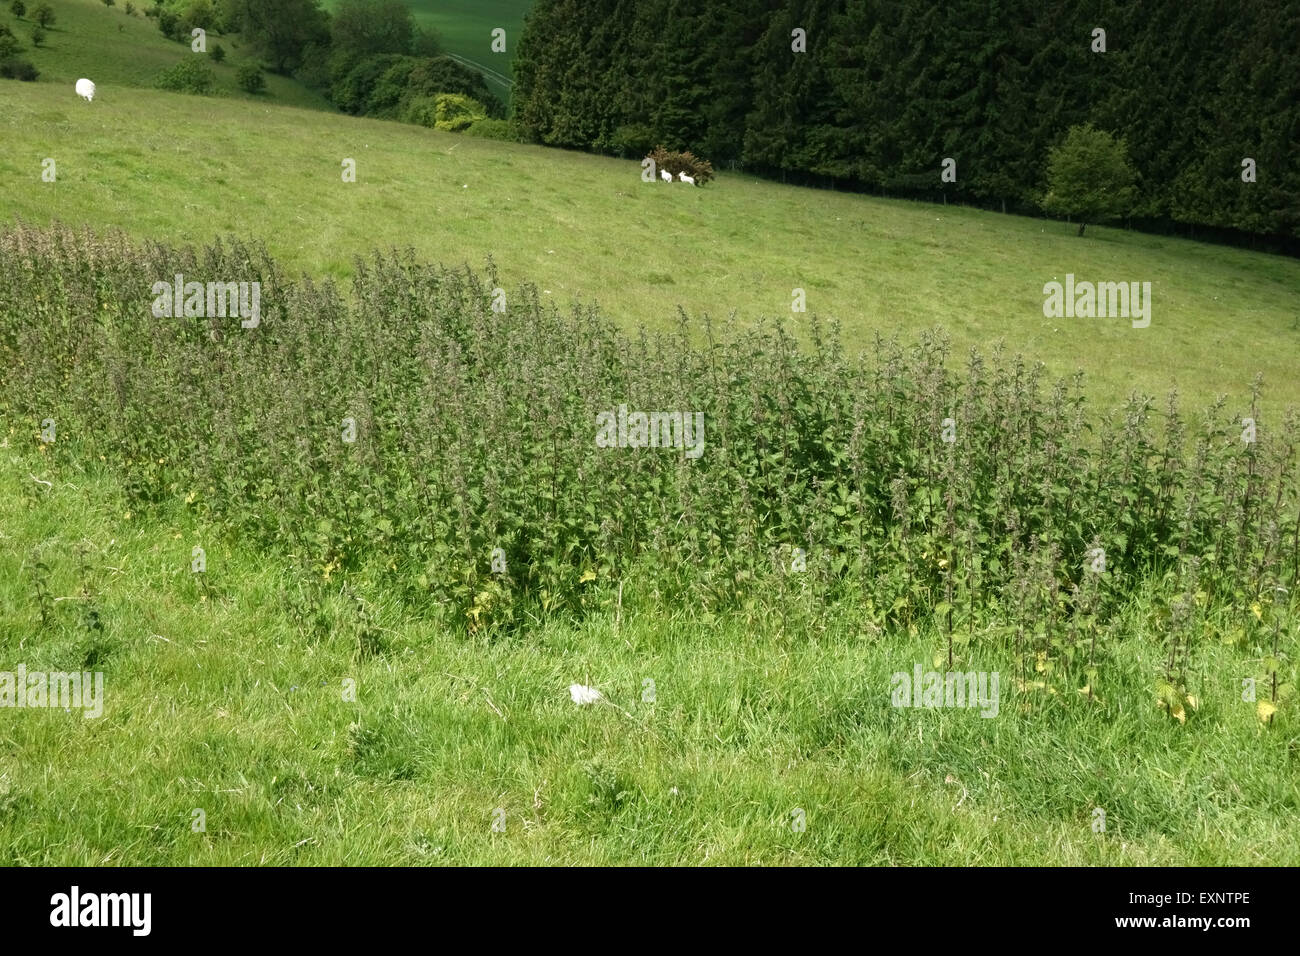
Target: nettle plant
x: 967, y: 498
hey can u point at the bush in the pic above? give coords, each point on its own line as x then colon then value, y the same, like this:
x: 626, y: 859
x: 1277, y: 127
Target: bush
x: 314, y: 70
x: 390, y: 90
x: 701, y: 170
x: 1089, y: 177
x: 355, y: 81
x: 18, y: 69
x: 389, y: 84
x: 366, y: 28
x: 169, y: 24
x: 9, y: 47
x: 38, y: 36
x: 250, y: 79
x: 632, y: 140
x: 199, y: 13
x: 129, y: 8
x: 18, y: 8
x: 190, y: 75
x: 452, y: 112
x: 218, y: 53
x: 107, y: 3
x: 44, y: 15
x: 488, y: 128
x: 442, y: 74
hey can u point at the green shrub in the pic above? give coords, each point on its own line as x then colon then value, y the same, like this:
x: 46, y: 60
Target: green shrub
x: 442, y: 74
x: 250, y: 79
x: 169, y: 24
x: 18, y: 8
x: 15, y: 68
x: 218, y: 53
x: 390, y: 89
x: 44, y: 15
x: 38, y: 36
x: 190, y: 75
x: 9, y: 46
x: 1089, y: 177
x: 452, y: 112
x: 488, y: 128
x: 632, y: 140
x: 355, y: 81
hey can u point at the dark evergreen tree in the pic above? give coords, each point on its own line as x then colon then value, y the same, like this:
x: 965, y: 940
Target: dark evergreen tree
x: 890, y: 88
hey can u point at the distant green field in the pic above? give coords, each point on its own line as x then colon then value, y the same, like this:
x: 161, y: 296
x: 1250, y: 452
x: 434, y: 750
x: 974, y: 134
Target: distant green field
x: 186, y: 168
x: 466, y: 29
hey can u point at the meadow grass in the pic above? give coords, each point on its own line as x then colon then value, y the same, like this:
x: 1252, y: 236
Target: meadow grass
x: 117, y: 50
x: 184, y: 169
x: 218, y: 698
x: 225, y: 690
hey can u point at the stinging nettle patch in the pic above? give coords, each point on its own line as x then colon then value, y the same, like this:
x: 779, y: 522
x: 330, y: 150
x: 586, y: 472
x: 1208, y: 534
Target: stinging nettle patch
x: 197, y: 300
x: 684, y: 430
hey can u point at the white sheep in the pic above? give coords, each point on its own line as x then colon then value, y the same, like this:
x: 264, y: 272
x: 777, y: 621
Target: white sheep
x: 86, y: 89
x: 686, y: 179
x: 665, y: 175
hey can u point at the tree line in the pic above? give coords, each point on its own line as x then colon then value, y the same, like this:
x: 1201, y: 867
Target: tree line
x: 369, y: 57
x: 885, y: 90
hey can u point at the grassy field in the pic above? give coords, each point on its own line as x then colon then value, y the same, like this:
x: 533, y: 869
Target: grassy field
x: 584, y: 227
x: 119, y: 51
x: 466, y: 26
x: 230, y: 694
x: 221, y: 700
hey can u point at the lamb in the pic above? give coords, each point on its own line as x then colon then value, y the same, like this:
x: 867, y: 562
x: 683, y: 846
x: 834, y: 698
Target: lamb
x: 665, y: 175
x: 686, y: 179
x: 86, y: 89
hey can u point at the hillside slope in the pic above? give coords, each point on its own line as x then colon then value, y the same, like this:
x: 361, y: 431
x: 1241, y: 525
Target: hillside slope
x: 187, y: 168
x: 119, y: 50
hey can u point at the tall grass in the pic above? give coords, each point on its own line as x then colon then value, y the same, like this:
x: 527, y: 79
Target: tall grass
x: 475, y: 430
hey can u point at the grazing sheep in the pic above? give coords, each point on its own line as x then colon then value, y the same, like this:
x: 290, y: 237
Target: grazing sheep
x: 665, y: 175
x: 686, y: 179
x: 86, y: 89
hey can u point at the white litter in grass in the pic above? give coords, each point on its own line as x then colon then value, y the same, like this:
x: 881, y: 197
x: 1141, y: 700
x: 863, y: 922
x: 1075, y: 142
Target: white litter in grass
x: 584, y: 695
x: 86, y: 89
